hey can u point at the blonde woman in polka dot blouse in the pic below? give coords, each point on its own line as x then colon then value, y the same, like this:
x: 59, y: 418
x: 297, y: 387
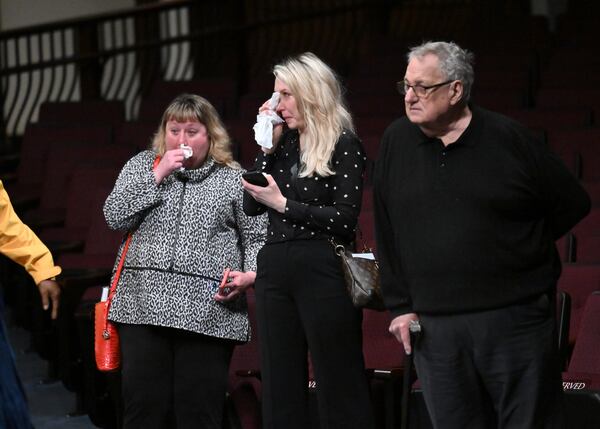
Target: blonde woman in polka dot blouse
x: 315, y: 178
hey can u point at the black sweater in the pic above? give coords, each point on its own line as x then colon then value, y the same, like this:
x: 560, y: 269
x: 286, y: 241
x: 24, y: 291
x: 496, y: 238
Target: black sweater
x: 470, y: 226
x: 317, y: 207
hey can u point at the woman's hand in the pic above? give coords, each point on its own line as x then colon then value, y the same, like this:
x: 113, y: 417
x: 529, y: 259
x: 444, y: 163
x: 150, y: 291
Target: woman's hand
x: 277, y: 129
x: 237, y: 284
x: 269, y: 195
x: 172, y: 160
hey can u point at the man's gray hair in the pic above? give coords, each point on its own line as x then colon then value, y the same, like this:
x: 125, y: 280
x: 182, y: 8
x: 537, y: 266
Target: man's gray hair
x: 455, y: 62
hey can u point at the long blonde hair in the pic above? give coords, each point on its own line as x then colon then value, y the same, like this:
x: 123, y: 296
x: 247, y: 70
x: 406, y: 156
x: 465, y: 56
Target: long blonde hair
x: 191, y: 107
x: 319, y: 100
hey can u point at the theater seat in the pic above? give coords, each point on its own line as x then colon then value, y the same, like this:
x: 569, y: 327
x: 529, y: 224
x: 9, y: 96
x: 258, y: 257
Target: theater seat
x: 384, y: 361
x: 99, y: 112
x: 35, y: 152
x: 563, y: 320
x: 587, y: 249
x: 581, y: 382
x: 244, y: 388
x: 579, y: 281
x: 590, y: 225
x: 586, y: 353
x: 593, y: 190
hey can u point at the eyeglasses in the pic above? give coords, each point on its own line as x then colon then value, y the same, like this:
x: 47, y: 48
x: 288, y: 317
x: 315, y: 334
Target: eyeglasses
x: 421, y: 91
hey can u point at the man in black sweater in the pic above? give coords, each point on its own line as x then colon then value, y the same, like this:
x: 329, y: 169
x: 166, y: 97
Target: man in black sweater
x: 468, y: 205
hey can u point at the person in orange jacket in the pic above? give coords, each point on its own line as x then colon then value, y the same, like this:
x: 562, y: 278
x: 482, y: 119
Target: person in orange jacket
x: 19, y: 243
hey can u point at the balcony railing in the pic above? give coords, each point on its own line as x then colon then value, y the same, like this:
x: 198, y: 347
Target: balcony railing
x: 118, y: 56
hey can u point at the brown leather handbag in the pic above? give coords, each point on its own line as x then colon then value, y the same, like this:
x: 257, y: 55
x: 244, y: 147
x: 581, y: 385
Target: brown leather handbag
x: 362, y: 279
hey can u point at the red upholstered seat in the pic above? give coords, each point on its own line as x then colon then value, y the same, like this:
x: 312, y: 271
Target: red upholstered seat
x: 220, y: 92
x: 586, y: 353
x: 579, y: 281
x: 593, y: 190
x: 587, y: 249
x: 101, y: 112
x: 136, y: 135
x: 590, y: 225
x: 63, y: 159
x: 36, y: 150
x: 244, y: 374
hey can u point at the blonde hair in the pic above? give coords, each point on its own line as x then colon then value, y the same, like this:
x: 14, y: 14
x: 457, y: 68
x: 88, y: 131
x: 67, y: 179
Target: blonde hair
x: 319, y: 100
x: 191, y: 107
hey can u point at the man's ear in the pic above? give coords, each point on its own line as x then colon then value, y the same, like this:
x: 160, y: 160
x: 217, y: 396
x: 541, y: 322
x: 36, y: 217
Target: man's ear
x: 456, y: 92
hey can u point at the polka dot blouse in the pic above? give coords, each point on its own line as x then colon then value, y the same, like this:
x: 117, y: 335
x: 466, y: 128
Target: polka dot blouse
x: 317, y: 207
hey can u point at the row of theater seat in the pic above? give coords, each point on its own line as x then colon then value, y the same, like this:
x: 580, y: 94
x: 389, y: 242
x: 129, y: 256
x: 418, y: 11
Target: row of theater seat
x: 70, y: 159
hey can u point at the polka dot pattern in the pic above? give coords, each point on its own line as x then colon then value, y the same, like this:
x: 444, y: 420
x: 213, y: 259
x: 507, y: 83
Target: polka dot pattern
x: 318, y: 207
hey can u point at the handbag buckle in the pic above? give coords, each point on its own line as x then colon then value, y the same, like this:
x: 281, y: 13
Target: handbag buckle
x: 105, y: 334
x: 337, y: 248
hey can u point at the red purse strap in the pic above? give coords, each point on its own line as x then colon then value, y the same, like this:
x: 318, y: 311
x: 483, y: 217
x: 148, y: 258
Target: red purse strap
x: 156, y: 162
x: 113, y: 286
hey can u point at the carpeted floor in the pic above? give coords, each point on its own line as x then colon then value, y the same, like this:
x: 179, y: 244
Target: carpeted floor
x: 50, y: 403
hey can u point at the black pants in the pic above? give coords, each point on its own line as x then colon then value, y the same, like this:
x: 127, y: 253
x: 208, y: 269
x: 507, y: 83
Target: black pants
x: 302, y: 305
x: 170, y: 374
x: 492, y: 369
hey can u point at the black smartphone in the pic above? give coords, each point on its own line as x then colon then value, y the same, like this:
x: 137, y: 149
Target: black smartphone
x: 255, y: 178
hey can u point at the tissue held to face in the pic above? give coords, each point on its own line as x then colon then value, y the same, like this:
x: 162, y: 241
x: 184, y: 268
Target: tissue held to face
x: 287, y: 107
x: 192, y: 134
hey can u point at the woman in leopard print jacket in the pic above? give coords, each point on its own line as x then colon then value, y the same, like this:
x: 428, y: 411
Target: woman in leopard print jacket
x: 185, y: 211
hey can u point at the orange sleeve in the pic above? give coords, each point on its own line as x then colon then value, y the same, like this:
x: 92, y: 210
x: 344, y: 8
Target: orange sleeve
x: 19, y: 243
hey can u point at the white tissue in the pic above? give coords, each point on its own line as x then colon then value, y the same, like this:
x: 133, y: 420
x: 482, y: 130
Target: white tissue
x: 104, y: 296
x: 263, y: 129
x: 187, y: 153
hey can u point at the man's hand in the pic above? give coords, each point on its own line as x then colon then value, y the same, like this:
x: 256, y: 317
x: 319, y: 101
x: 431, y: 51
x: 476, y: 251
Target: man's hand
x: 50, y: 291
x: 399, y: 328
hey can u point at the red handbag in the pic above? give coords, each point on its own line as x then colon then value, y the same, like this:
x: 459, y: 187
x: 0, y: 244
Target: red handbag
x: 106, y: 336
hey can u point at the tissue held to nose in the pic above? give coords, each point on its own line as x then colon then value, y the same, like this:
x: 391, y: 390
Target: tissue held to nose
x: 263, y: 129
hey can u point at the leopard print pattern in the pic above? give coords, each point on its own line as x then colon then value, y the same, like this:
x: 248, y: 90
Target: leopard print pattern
x: 185, y: 232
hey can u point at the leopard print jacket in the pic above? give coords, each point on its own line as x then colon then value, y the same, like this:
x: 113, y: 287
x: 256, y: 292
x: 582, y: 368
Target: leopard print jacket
x: 185, y: 232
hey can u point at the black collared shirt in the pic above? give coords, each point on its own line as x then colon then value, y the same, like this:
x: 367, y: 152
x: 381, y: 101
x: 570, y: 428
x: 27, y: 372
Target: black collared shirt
x: 471, y: 225
x: 317, y: 207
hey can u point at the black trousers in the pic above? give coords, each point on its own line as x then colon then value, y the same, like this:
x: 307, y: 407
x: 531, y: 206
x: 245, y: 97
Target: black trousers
x: 492, y: 369
x: 302, y: 305
x: 172, y: 378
